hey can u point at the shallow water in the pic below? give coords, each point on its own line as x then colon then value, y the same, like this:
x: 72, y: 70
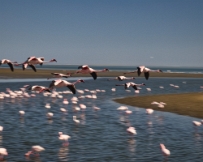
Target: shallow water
x: 101, y: 135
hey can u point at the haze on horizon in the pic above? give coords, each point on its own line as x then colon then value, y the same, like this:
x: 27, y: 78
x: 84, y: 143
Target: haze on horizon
x: 95, y: 32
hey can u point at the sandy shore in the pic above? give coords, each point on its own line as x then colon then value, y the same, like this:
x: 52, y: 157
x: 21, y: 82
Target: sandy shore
x: 190, y: 104
x: 6, y: 73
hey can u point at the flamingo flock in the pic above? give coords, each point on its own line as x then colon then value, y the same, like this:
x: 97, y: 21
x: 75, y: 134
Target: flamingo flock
x: 50, y: 90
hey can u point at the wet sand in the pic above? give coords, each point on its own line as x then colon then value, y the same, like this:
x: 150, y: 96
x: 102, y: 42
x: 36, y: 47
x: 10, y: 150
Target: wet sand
x: 190, y: 104
x: 6, y: 73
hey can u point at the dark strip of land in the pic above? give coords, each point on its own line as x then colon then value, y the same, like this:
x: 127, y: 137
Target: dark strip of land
x: 6, y: 73
x: 190, y: 104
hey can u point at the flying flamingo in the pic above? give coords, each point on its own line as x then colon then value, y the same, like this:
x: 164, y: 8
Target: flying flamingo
x: 121, y: 78
x: 31, y: 61
x: 38, y: 88
x: 145, y: 70
x: 128, y: 84
x: 35, y: 150
x: 3, y: 152
x: 64, y: 137
x: 64, y: 83
x: 85, y: 69
x: 60, y: 75
x: 10, y: 63
x: 164, y: 150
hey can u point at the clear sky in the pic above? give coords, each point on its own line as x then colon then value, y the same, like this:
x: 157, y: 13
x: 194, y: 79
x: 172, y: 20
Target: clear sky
x: 103, y: 32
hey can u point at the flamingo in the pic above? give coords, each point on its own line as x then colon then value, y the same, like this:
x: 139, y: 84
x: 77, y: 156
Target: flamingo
x: 64, y: 137
x: 35, y: 150
x: 60, y: 75
x: 22, y: 113
x: 10, y: 63
x: 64, y: 83
x: 31, y: 61
x: 121, y: 78
x: 49, y: 115
x: 75, y: 119
x: 149, y: 111
x: 39, y: 88
x: 128, y: 84
x: 164, y: 150
x: 145, y: 70
x: 85, y: 69
x: 131, y: 130
x: 196, y: 123
x: 3, y: 152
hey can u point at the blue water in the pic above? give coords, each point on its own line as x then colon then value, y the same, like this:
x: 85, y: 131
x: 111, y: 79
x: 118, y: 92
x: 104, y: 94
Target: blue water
x: 119, y: 68
x: 101, y: 135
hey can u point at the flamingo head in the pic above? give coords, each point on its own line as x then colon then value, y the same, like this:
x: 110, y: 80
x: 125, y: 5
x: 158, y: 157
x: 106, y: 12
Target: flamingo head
x: 133, y: 77
x: 160, y: 71
x: 143, y: 84
x: 106, y: 69
x: 53, y: 60
x: 81, y: 80
x: 28, y: 153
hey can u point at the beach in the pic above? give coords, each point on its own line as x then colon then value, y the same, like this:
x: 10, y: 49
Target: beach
x: 190, y: 104
x: 6, y: 73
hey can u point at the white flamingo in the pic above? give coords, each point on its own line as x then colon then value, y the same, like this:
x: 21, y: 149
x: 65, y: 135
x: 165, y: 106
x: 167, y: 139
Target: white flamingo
x: 128, y: 84
x: 64, y: 83
x: 31, y: 61
x: 35, y: 150
x: 85, y: 69
x: 145, y: 70
x: 64, y: 138
x: 3, y: 152
x: 60, y: 75
x: 39, y: 88
x: 131, y: 130
x: 121, y: 78
x: 8, y: 62
x: 164, y: 150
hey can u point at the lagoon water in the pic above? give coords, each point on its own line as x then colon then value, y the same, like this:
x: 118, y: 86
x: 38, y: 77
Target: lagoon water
x: 101, y: 136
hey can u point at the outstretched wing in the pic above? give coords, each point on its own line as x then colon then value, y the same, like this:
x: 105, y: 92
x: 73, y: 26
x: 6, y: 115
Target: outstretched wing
x: 72, y: 88
x: 33, y: 67
x: 94, y: 75
x: 135, y: 87
x: 52, y: 84
x: 146, y: 74
x: 140, y: 70
x: 11, y: 66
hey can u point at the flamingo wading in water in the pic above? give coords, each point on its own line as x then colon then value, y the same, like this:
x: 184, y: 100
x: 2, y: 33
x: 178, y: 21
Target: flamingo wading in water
x: 85, y: 69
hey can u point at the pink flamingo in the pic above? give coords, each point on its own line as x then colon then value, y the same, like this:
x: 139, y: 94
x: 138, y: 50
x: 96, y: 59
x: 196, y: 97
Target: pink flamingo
x: 31, y: 61
x: 145, y: 70
x: 60, y: 75
x: 85, y: 69
x: 10, y: 63
x: 3, y: 152
x: 128, y: 84
x: 64, y: 83
x: 64, y: 137
x: 35, y: 150
x: 164, y: 150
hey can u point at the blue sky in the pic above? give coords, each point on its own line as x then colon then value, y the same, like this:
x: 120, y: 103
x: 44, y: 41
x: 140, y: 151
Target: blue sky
x: 103, y: 32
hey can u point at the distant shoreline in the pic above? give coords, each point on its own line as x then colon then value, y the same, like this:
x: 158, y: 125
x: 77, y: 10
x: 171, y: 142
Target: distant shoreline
x: 6, y: 73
